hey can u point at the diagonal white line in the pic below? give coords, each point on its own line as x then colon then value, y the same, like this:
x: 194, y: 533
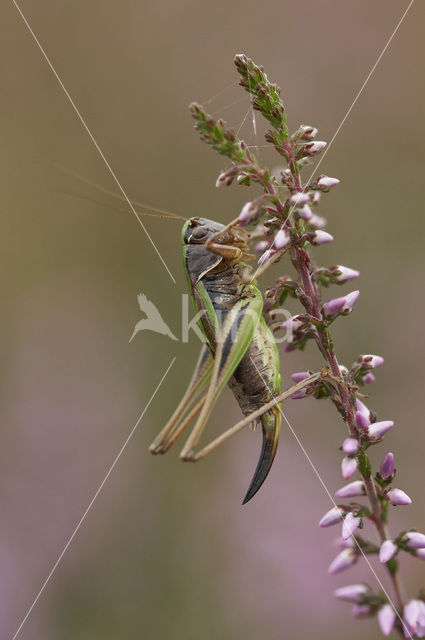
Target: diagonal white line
x: 322, y: 482
x: 83, y: 122
x: 111, y: 468
x: 341, y: 124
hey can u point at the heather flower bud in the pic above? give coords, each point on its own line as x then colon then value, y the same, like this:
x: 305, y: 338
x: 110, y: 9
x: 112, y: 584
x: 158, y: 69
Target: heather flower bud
x: 315, y: 198
x: 415, y: 540
x: 317, y: 221
x: 344, y: 544
x: 362, y: 415
x: 305, y: 212
x: 350, y: 525
x: 326, y: 182
x: 299, y: 376
x: 246, y: 212
x: 224, y: 179
x: 299, y: 199
x: 377, y: 430
x: 301, y: 393
x: 281, y: 239
x: 269, y: 253
x: 343, y: 561
x: 387, y: 551
x: 386, y: 468
x: 420, y: 553
x: 352, y: 593
x: 261, y: 246
x: 350, y: 446
x: 306, y: 132
x: 371, y: 360
x: 344, y: 304
x: 386, y: 619
x: 343, y: 274
x: 361, y: 610
x: 398, y: 497
x: 351, y: 490
x: 414, y: 618
x: 361, y: 420
x: 313, y: 148
x: 368, y: 378
x: 331, y: 517
x: 319, y: 237
x: 348, y: 467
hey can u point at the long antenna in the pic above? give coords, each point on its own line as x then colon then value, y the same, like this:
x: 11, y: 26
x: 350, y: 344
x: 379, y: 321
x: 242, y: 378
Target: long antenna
x: 164, y: 215
x: 115, y: 195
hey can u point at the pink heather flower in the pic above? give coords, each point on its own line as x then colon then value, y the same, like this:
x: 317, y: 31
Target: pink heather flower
x: 351, y: 490
x: 343, y: 370
x: 299, y: 376
x: 386, y: 619
x: 372, y: 361
x: 221, y: 180
x: 318, y: 221
x: 320, y: 237
x: 350, y: 525
x: 377, y: 430
x: 361, y: 610
x: 368, y: 378
x: 269, y: 253
x: 348, y: 467
x: 361, y: 420
x: 350, y: 446
x: 415, y: 540
x: 344, y: 544
x: 331, y: 517
x: 362, y: 414
x: 341, y: 305
x: 281, y: 239
x: 246, y: 212
x: 352, y: 593
x: 343, y: 560
x: 305, y: 212
x: 306, y: 132
x: 345, y: 273
x: 326, y: 182
x: 387, y: 551
x: 398, y: 497
x: 420, y: 553
x: 386, y: 468
x: 299, y: 199
x: 261, y: 246
x: 414, y: 618
x: 314, y: 147
x: 299, y: 394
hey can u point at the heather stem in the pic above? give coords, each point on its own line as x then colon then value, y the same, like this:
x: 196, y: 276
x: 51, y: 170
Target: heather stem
x: 302, y: 263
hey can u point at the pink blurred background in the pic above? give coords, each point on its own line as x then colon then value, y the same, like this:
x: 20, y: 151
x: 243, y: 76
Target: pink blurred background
x: 167, y: 551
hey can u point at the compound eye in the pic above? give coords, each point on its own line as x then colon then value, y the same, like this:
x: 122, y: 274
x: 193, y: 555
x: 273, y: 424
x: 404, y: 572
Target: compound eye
x: 199, y: 233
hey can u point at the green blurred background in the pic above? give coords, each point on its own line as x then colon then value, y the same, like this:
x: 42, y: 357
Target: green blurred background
x: 167, y: 551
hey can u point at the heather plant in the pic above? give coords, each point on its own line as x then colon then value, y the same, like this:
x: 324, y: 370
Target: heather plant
x: 284, y: 224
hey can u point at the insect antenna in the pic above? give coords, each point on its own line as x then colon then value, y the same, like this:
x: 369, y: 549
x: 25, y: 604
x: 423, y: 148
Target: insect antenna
x: 117, y: 196
x: 150, y: 214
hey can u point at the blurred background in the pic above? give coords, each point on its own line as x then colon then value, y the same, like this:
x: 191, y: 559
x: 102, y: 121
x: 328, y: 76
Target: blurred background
x: 167, y: 550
